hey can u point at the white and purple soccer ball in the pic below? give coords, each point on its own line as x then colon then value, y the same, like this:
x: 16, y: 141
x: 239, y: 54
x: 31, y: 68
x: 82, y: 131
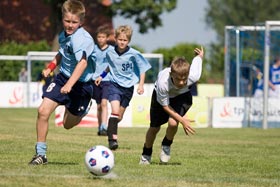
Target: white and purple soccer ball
x: 99, y: 160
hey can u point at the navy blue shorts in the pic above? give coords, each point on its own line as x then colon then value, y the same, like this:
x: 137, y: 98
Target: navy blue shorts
x: 181, y: 104
x: 76, y: 101
x: 100, y: 92
x: 122, y: 94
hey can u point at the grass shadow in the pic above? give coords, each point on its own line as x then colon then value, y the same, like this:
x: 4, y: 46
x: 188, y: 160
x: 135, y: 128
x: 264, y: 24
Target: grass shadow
x: 63, y: 163
x: 167, y: 164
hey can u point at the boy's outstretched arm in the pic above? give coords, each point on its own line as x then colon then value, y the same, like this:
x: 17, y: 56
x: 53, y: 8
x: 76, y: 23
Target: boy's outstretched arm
x: 199, y: 52
x: 185, y: 122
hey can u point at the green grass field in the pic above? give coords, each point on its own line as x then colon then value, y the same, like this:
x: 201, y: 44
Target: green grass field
x: 213, y: 157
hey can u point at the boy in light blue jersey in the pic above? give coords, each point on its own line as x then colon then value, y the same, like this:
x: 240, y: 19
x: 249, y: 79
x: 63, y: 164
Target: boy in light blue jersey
x: 100, y: 92
x: 72, y: 86
x: 126, y: 68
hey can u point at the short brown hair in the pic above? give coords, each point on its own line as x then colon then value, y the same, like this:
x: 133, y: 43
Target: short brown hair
x: 74, y: 7
x: 104, y: 29
x: 180, y: 66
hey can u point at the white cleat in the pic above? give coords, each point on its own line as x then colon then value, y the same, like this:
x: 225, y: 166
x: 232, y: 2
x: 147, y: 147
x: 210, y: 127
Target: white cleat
x: 145, y: 160
x: 165, y: 154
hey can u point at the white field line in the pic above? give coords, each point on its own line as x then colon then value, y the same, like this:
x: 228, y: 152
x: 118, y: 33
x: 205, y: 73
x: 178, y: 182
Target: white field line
x: 111, y: 175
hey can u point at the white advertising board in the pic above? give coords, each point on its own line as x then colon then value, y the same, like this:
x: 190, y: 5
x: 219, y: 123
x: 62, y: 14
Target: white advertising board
x: 237, y: 112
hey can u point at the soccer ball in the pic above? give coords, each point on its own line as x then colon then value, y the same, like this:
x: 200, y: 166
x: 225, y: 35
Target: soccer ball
x: 99, y: 160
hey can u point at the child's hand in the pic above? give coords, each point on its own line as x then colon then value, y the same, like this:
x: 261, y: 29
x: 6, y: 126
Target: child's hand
x: 98, y: 81
x: 65, y: 89
x: 199, y: 52
x: 46, y: 72
x: 187, y: 128
x: 140, y: 90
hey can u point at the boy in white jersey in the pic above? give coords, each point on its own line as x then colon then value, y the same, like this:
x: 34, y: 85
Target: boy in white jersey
x: 127, y: 67
x: 171, y: 100
x: 100, y: 92
x: 72, y: 86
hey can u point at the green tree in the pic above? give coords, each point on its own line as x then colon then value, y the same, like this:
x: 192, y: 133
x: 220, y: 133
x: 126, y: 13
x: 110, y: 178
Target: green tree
x: 231, y: 12
x: 184, y: 50
x: 145, y: 13
x: 9, y: 69
x: 221, y: 13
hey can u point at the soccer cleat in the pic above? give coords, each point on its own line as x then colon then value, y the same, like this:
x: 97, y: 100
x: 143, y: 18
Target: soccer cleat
x: 102, y: 132
x: 145, y: 160
x: 165, y: 154
x: 38, y: 160
x: 113, y: 144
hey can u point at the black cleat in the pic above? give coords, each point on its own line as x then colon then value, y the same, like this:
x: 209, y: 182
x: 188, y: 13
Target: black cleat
x: 113, y: 144
x: 102, y: 132
x: 38, y: 160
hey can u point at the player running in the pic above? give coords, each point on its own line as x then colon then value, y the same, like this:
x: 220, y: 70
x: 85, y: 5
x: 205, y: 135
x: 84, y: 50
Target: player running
x: 100, y: 92
x: 72, y: 86
x: 171, y: 100
x: 127, y: 67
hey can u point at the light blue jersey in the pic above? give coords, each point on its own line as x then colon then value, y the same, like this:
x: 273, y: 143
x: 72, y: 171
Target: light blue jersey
x: 72, y: 48
x: 101, y: 63
x: 126, y: 68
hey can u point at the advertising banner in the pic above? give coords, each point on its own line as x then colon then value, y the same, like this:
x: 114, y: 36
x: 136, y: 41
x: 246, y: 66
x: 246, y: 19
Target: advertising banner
x: 237, y: 112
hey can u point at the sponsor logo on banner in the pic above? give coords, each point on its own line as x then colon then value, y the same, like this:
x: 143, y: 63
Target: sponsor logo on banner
x: 236, y: 112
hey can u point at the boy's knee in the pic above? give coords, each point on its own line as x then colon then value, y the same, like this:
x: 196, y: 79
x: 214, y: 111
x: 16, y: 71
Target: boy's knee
x: 173, y: 125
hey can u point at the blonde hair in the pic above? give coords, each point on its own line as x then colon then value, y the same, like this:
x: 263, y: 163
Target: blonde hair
x: 74, y: 7
x: 180, y: 66
x: 125, y: 29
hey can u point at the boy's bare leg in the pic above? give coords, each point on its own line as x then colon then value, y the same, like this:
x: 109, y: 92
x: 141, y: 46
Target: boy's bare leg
x: 42, y: 124
x: 70, y: 120
x: 151, y: 136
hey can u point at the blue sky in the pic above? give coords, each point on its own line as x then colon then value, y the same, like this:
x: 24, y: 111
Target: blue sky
x: 184, y: 24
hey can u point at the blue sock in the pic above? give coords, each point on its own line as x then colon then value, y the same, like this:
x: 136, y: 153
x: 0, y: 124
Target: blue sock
x: 103, y: 126
x: 41, y: 148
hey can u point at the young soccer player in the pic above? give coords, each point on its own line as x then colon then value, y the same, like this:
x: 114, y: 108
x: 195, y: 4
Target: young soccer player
x: 72, y: 86
x: 100, y: 92
x: 274, y: 79
x: 171, y: 100
x: 126, y: 68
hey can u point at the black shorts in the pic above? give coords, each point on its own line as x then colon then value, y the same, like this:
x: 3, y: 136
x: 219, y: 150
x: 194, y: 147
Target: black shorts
x: 76, y: 101
x: 181, y: 104
x: 121, y: 94
x: 100, y: 92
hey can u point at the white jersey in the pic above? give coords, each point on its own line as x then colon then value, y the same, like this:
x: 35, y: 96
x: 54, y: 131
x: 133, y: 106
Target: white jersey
x: 165, y: 88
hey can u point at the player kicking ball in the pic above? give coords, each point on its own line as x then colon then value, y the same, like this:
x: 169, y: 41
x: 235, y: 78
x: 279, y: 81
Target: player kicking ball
x: 72, y: 87
x: 171, y: 99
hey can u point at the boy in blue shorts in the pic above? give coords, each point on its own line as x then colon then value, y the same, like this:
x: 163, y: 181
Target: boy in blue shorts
x: 171, y: 100
x: 100, y: 92
x: 127, y: 67
x: 72, y: 86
